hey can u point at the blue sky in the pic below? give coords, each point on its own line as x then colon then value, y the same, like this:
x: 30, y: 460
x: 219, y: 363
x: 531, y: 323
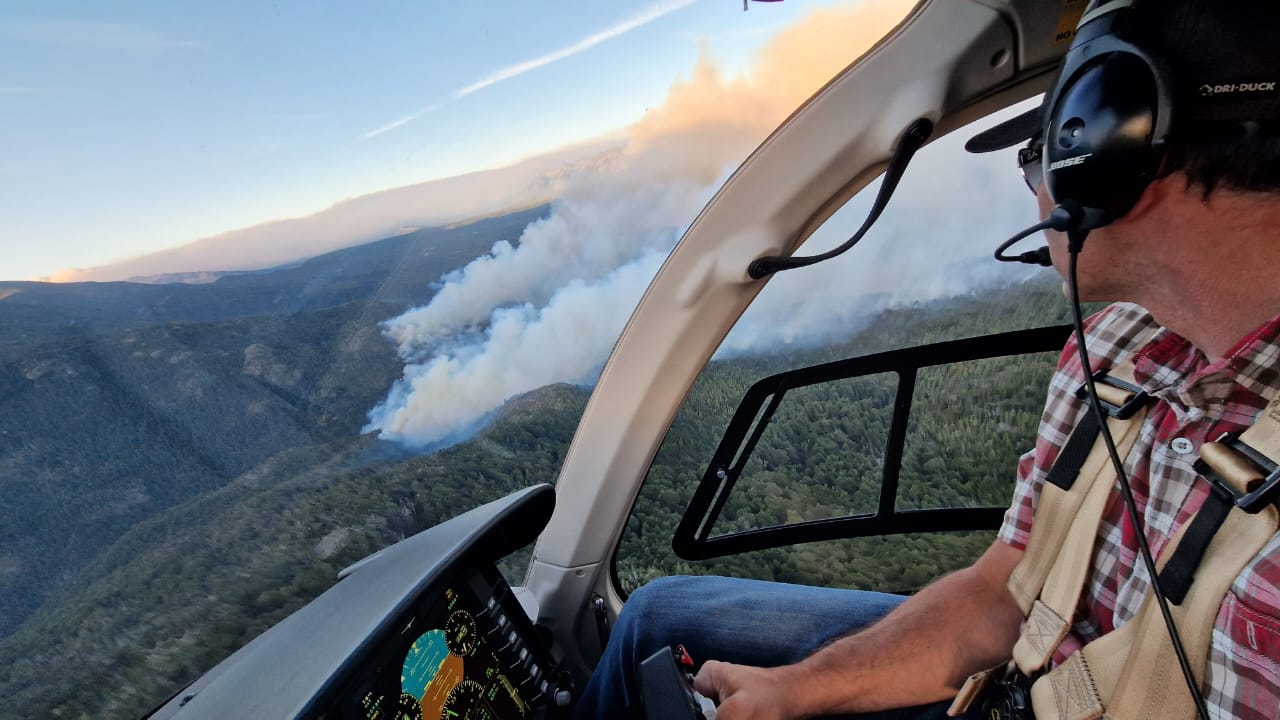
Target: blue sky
x: 127, y: 127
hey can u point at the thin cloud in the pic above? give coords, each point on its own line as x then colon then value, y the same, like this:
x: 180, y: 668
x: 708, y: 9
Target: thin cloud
x: 397, y: 123
x: 15, y: 89
x: 650, y: 14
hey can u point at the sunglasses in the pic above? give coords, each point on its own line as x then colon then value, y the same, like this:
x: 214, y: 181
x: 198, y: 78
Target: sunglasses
x: 1030, y: 165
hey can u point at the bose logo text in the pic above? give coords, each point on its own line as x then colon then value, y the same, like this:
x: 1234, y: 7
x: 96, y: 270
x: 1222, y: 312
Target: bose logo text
x: 1077, y: 160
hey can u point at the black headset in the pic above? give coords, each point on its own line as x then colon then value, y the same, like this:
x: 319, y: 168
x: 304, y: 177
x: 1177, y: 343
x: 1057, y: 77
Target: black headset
x: 1107, y: 121
x: 1106, y: 124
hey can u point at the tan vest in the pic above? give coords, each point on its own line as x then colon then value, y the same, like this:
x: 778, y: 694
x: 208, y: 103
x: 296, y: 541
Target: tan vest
x: 1133, y: 672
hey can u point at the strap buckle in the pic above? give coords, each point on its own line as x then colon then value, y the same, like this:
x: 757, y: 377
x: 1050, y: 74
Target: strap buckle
x: 1237, y: 468
x: 1120, y: 399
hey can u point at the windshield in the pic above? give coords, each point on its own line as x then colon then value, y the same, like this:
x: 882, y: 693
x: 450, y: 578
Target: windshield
x: 284, y: 284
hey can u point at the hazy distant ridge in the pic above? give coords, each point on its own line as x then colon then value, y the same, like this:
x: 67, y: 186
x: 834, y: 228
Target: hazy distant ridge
x: 525, y: 184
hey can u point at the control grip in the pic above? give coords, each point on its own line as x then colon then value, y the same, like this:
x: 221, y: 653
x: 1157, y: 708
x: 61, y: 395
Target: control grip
x: 666, y: 689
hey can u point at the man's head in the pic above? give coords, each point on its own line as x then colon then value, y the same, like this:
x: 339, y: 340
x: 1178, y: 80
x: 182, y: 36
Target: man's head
x: 1151, y: 88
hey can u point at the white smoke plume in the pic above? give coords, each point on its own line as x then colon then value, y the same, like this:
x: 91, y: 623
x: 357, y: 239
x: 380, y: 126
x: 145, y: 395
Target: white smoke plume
x: 595, y: 229
x: 524, y: 348
x: 550, y: 307
x: 547, y: 309
x: 934, y: 240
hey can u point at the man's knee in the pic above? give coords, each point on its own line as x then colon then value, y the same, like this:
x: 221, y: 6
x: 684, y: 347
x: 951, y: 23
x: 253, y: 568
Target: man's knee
x: 649, y: 606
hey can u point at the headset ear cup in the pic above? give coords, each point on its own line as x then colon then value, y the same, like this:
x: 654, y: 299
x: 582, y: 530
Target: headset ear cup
x: 1099, y: 151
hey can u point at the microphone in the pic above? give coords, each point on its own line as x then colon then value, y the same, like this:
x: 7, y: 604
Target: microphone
x: 1064, y: 218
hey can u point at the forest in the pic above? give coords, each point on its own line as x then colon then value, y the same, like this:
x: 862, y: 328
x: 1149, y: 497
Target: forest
x: 180, y: 590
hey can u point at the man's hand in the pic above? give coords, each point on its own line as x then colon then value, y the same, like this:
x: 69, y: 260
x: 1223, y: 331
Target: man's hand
x: 745, y: 692
x: 919, y: 653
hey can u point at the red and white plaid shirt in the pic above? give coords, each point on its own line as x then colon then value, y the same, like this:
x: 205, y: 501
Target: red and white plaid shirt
x: 1198, y: 400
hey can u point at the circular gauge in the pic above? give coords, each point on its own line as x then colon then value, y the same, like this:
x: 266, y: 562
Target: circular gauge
x: 460, y: 633
x: 464, y: 697
x: 410, y: 708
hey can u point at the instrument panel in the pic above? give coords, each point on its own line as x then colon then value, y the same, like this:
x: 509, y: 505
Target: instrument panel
x: 424, y: 628
x: 466, y: 651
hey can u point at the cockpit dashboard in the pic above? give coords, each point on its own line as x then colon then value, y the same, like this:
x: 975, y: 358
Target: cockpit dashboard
x: 427, y: 628
x: 465, y: 652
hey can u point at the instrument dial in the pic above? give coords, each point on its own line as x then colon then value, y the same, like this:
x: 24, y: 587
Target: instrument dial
x: 467, y: 696
x: 460, y: 633
x: 409, y: 708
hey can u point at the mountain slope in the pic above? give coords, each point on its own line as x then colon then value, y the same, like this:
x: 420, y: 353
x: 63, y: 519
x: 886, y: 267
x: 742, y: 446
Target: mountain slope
x: 149, y: 396
x: 181, y: 590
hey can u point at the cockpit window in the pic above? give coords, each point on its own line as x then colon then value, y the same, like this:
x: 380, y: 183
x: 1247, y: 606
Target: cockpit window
x: 924, y: 274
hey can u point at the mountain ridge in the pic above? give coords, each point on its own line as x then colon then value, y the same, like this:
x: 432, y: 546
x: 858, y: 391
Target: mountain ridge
x: 123, y: 399
x: 396, y: 270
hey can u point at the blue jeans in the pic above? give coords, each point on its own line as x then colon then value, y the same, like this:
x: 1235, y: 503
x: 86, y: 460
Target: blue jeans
x: 750, y: 622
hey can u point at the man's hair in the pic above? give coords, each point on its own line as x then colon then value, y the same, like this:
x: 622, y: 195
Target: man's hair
x: 1241, y: 156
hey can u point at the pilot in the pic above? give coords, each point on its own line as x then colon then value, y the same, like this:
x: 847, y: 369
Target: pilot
x: 1175, y: 216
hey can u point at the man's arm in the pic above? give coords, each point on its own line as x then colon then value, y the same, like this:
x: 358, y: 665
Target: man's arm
x: 921, y: 652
